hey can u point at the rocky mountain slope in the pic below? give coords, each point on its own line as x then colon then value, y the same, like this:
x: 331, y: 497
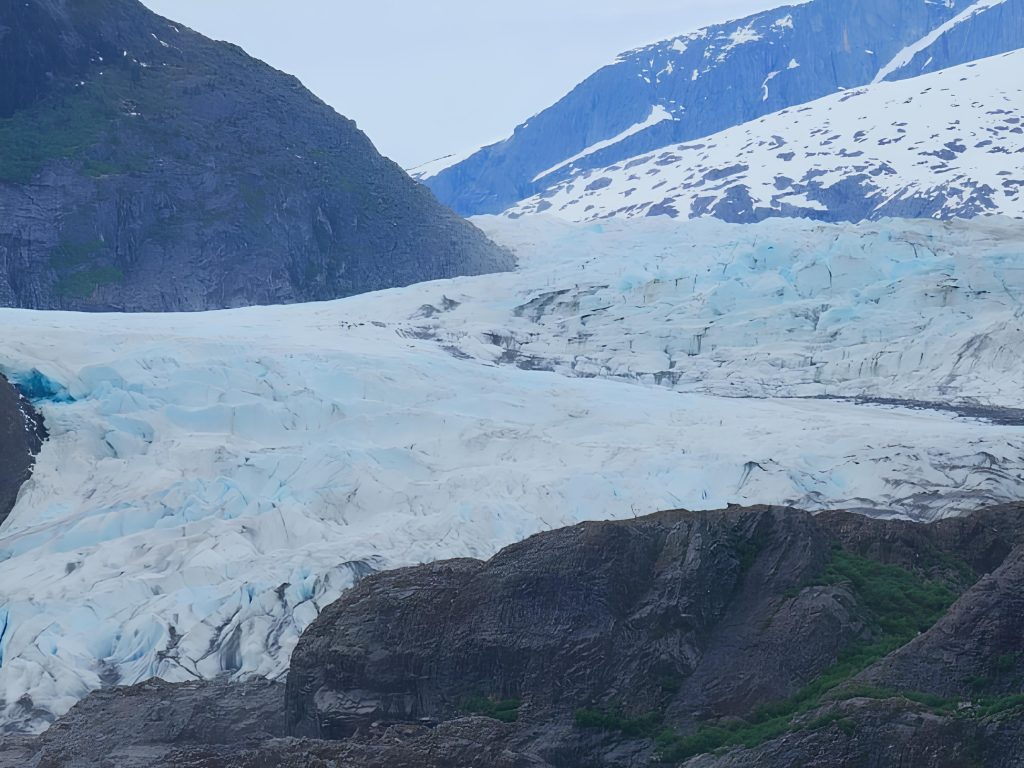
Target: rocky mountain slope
x: 984, y: 28
x: 943, y: 145
x: 751, y: 636
x: 21, y: 437
x: 213, y: 480
x: 716, y: 78
x: 146, y: 168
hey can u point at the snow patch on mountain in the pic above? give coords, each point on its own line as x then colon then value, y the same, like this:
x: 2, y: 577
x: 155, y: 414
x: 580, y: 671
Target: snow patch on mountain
x: 711, y: 80
x: 905, y: 56
x: 942, y: 145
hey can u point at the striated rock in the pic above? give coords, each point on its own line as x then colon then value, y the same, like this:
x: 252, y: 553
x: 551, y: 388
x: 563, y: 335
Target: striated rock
x: 697, y: 639
x: 670, y: 608
x: 678, y: 621
x: 976, y: 649
x: 146, y: 168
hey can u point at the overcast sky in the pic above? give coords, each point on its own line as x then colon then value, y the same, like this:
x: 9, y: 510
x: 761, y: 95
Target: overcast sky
x: 428, y: 77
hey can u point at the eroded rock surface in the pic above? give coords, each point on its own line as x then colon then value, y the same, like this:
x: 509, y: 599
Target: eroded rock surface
x: 21, y: 437
x: 147, y: 168
x: 751, y: 636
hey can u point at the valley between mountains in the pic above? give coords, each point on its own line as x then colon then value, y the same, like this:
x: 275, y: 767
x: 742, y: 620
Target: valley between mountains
x: 699, y: 443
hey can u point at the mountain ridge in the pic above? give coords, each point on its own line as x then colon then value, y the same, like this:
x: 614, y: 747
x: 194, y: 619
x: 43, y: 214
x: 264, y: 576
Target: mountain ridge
x: 147, y: 168
x: 718, y: 78
x: 940, y: 145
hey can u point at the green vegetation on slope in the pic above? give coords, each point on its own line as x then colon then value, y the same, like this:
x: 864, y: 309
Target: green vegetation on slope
x: 506, y: 710
x: 67, y: 124
x: 82, y: 284
x: 899, y: 604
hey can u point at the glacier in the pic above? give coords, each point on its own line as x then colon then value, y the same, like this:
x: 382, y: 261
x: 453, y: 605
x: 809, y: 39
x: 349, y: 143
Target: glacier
x: 213, y: 480
x: 942, y: 145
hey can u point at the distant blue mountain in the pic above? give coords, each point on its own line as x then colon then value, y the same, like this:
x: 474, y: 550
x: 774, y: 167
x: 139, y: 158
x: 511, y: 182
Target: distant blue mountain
x: 698, y: 84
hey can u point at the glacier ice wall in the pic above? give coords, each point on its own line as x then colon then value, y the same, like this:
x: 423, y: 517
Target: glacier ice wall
x: 212, y: 480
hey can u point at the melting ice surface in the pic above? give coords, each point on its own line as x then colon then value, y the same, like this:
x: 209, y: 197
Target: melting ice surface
x: 212, y: 480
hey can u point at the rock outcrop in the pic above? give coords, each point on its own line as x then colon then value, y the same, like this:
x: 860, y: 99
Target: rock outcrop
x: 21, y: 437
x: 146, y: 168
x: 759, y: 636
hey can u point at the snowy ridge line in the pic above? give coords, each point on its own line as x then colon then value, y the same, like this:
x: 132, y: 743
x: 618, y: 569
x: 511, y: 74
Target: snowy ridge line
x: 211, y: 482
x: 712, y: 80
x: 435, y: 166
x: 658, y: 115
x: 940, y: 145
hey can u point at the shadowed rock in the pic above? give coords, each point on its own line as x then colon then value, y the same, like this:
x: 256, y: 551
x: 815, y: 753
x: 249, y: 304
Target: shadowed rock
x: 146, y: 168
x: 21, y: 438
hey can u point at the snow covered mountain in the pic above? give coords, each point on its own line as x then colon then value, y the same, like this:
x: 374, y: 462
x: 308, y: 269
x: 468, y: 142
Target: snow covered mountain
x: 689, y: 87
x: 985, y: 28
x: 212, y: 481
x: 942, y: 145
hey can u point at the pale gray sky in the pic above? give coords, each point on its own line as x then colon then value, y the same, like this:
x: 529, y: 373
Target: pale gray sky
x: 427, y: 77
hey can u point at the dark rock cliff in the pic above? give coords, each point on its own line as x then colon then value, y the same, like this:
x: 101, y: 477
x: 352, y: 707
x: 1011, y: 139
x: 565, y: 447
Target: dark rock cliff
x: 147, y: 168
x: 21, y: 437
x: 760, y: 636
x: 663, y: 612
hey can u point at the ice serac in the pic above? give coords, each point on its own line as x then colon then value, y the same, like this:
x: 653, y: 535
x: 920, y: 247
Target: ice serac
x: 213, y: 480
x: 708, y: 80
x: 944, y: 145
x: 146, y: 168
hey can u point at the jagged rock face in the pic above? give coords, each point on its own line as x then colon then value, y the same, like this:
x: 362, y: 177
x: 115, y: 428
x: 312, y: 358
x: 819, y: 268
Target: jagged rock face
x: 21, y: 437
x: 141, y: 726
x: 217, y: 724
x: 147, y: 168
x: 986, y: 28
x: 699, y: 617
x: 604, y: 615
x: 589, y: 614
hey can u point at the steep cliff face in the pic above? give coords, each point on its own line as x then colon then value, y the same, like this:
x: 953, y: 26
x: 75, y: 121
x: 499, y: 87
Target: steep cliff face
x: 758, y: 636
x: 985, y: 28
x: 701, y: 83
x: 665, y: 638
x: 21, y: 437
x: 940, y: 146
x: 147, y: 168
x: 586, y: 616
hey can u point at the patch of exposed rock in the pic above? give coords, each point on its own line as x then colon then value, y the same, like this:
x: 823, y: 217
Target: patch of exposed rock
x: 761, y: 636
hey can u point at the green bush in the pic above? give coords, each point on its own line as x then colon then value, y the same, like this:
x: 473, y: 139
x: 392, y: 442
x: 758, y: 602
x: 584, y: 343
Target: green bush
x: 81, y: 285
x: 899, y: 604
x: 506, y: 710
x: 636, y: 727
